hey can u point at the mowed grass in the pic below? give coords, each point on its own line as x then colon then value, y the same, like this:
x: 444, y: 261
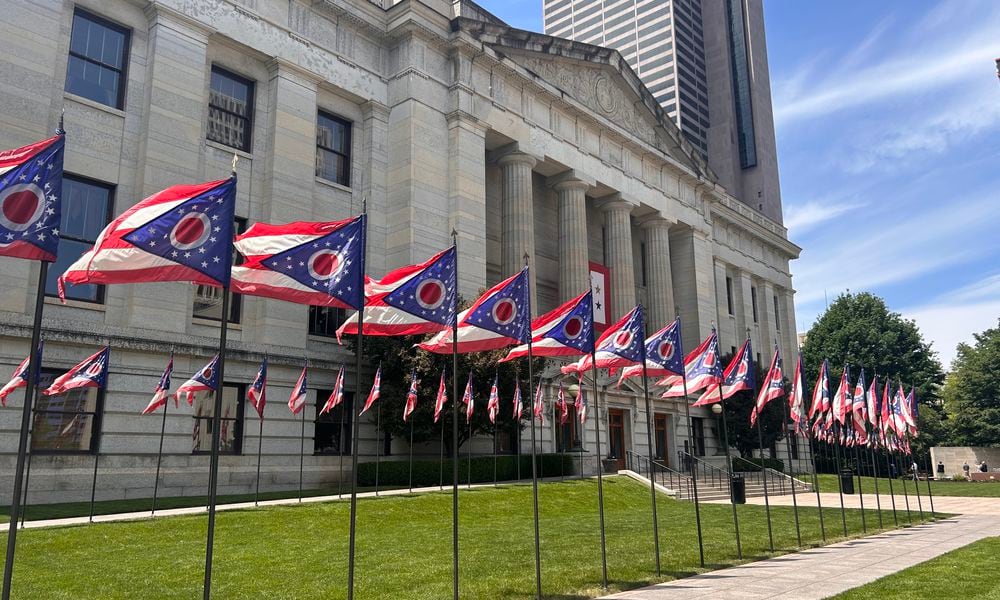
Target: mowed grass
x: 964, y: 573
x: 404, y: 546
x: 970, y: 489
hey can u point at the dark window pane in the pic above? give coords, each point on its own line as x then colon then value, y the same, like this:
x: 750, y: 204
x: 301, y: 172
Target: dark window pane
x: 230, y: 112
x: 64, y: 423
x: 324, y: 320
x: 97, y: 58
x: 85, y: 211
x: 333, y: 149
x: 333, y: 429
x: 231, y: 430
x: 208, y: 299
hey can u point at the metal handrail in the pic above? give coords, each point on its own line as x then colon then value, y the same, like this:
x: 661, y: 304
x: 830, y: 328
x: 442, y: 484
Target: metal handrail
x: 659, y: 472
x: 703, y: 470
x: 756, y: 475
x: 783, y: 477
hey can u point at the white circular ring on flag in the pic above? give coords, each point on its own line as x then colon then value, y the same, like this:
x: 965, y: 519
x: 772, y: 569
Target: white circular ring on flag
x: 324, y: 264
x: 95, y: 369
x: 573, y: 327
x: 430, y: 294
x: 206, y: 373
x: 191, y: 231
x: 504, y: 311
x: 665, y: 350
x: 21, y: 205
x: 623, y: 339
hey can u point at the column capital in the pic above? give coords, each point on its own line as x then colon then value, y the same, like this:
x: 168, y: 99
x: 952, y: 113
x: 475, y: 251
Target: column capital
x: 517, y: 157
x: 374, y: 109
x: 280, y: 67
x: 615, y: 203
x: 460, y: 118
x: 656, y: 221
x: 567, y: 181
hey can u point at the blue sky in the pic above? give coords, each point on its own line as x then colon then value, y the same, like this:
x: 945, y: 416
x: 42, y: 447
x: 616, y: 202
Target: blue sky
x: 888, y: 127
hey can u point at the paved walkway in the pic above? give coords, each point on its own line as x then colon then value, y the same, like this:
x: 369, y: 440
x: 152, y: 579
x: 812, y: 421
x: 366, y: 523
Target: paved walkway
x: 827, y: 571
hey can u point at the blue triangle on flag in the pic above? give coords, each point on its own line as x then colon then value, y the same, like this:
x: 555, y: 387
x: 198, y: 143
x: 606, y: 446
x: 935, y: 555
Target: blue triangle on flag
x: 576, y: 329
x: 506, y: 311
x: 197, y: 233
x: 331, y: 264
x: 431, y: 293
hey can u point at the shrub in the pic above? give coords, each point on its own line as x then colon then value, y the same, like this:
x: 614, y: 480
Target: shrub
x: 749, y: 465
x: 427, y: 472
x: 958, y: 477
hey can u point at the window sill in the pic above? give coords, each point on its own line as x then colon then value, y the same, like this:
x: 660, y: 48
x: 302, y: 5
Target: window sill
x: 214, y: 323
x: 329, y: 339
x: 94, y: 306
x: 334, y: 185
x: 96, y: 105
x: 229, y: 149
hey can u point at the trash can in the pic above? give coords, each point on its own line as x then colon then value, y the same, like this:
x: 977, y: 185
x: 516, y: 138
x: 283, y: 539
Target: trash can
x: 738, y: 489
x: 847, y: 481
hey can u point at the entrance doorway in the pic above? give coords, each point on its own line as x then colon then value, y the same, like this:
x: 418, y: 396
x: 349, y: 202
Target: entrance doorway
x: 660, y: 437
x: 616, y: 436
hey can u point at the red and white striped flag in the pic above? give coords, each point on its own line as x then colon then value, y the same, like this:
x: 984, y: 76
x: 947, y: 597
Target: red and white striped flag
x: 467, y: 400
x: 337, y: 395
x: 441, y: 400
x: 411, y: 396
x: 518, y: 404
x: 773, y: 388
x: 493, y: 406
x: 162, y: 389
x: 539, y: 408
x: 581, y: 405
x: 298, y: 398
x: 373, y: 394
x: 20, y: 377
x: 796, y: 399
x: 563, y: 407
x: 257, y: 392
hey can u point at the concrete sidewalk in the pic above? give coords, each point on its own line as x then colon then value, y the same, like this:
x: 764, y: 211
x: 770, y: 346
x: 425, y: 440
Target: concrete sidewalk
x: 827, y: 571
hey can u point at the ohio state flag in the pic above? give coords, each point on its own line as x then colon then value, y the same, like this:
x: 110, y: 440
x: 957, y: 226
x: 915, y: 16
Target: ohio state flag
x: 30, y: 198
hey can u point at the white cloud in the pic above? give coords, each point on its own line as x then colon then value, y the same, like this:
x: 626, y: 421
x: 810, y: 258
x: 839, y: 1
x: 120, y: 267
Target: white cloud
x: 987, y: 288
x: 800, y: 218
x: 945, y: 325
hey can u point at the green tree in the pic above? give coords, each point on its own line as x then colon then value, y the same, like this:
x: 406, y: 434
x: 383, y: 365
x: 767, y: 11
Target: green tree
x: 859, y: 330
x: 972, y: 391
x: 742, y: 436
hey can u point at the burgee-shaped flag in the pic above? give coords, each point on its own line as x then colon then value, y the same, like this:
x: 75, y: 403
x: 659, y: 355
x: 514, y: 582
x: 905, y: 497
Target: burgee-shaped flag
x: 30, y: 199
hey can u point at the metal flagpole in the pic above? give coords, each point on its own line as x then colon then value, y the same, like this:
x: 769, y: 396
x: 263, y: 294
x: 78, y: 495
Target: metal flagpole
x: 690, y: 457
x: 358, y: 353
x: 441, y: 469
x: 27, y: 479
x: 159, y: 453
x: 22, y: 443
x: 302, y: 450
x: 260, y: 444
x: 213, y: 470
x: 411, y: 454
x: 468, y: 464
x: 494, y: 456
x: 906, y: 497
x: 857, y: 461
x: 791, y: 471
x: 729, y: 465
x: 916, y: 485
x: 892, y: 495
x: 840, y: 483
x: 454, y: 430
x: 878, y: 500
x: 597, y: 438
x: 649, y: 442
x: 378, y: 442
x: 534, y: 472
x: 763, y: 470
x: 819, y: 503
x: 930, y: 496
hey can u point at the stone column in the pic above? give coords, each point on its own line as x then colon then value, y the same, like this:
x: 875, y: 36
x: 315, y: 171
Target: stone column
x: 660, y: 284
x: 618, y: 235
x: 467, y: 199
x: 518, y: 235
x: 574, y: 267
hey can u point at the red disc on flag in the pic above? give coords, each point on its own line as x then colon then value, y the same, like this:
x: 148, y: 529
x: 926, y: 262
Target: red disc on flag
x: 191, y: 231
x: 20, y: 206
x: 324, y: 264
x: 95, y: 369
x: 504, y: 311
x: 430, y: 294
x: 665, y: 350
x: 623, y: 339
x: 573, y: 327
x: 206, y: 373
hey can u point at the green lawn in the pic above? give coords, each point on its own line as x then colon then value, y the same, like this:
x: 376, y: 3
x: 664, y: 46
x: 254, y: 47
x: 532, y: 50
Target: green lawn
x: 983, y: 489
x: 962, y: 573
x: 404, y: 547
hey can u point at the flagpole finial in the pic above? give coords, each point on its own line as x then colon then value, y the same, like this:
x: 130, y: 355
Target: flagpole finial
x: 60, y: 130
x: 236, y: 157
x: 364, y: 205
x: 526, y: 258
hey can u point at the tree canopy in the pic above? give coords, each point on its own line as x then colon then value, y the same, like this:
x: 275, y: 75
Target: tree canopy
x: 972, y: 391
x: 860, y: 331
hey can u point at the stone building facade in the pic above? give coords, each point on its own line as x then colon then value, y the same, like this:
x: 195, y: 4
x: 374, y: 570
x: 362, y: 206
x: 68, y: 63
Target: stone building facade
x: 439, y: 116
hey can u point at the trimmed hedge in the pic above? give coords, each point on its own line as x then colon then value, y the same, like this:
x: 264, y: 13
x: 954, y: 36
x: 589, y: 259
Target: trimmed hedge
x: 751, y: 465
x: 428, y: 472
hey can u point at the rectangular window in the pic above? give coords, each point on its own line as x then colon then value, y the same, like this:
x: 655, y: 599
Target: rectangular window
x: 324, y: 320
x: 333, y: 429
x: 231, y: 425
x: 568, y: 435
x: 660, y: 436
x: 777, y: 315
x: 230, y: 109
x: 98, y: 51
x: 793, y: 444
x: 729, y: 295
x: 333, y: 149
x: 208, y: 298
x: 86, y: 209
x: 698, y: 435
x: 753, y: 302
x: 642, y: 260
x: 65, y: 424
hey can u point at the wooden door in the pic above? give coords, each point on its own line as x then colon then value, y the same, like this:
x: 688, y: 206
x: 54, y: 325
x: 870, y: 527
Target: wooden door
x: 660, y: 437
x: 616, y: 436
